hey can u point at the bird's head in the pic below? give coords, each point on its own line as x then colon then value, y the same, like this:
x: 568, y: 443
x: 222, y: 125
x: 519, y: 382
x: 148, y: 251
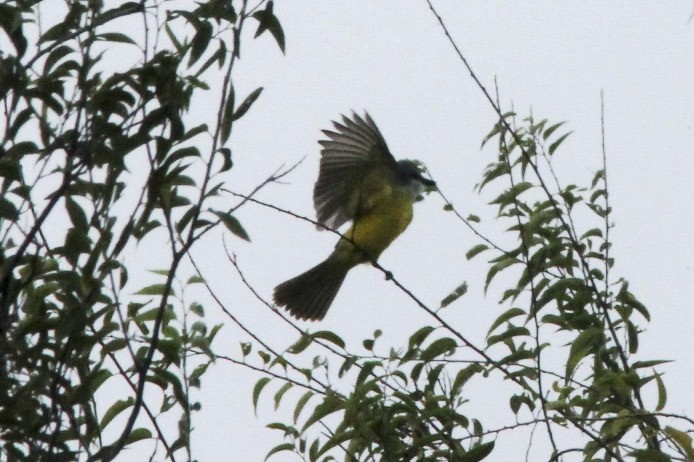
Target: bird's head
x: 411, y: 176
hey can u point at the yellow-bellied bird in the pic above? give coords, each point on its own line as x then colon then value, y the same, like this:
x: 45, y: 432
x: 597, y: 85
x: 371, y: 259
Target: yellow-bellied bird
x: 359, y: 181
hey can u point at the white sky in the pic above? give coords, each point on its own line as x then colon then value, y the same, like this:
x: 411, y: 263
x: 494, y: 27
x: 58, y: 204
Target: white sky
x: 392, y: 59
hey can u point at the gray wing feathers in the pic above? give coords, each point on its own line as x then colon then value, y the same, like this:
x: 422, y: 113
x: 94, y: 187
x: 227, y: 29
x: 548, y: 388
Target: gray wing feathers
x: 354, y: 148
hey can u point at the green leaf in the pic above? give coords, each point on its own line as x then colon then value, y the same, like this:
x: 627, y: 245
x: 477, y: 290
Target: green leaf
x: 368, y: 344
x: 517, y: 356
x: 55, y: 32
x: 418, y: 337
x: 22, y: 148
x: 228, y: 116
x: 561, y: 290
x: 124, y: 237
x: 662, y: 393
x: 115, y: 409
x: 650, y: 455
x: 511, y: 195
x: 433, y: 375
x: 113, y: 345
x: 198, y: 372
x: 301, y: 404
x: 115, y: 37
x: 226, y: 155
x: 233, y: 225
x: 197, y: 309
x: 441, y: 346
x: 493, y: 172
x: 509, y: 314
x: 553, y: 147
x: 280, y: 393
x: 259, y: 385
x: 417, y: 371
x: 511, y: 332
x: 264, y: 356
x: 280, y: 448
x: 627, y: 298
x: 346, y: 366
x: 478, y: 430
x: 300, y: 345
x: 633, y: 336
x: 269, y: 22
x: 98, y: 379
x: 455, y: 295
x: 200, y: 41
x: 331, y: 403
x: 476, y: 250
x: 595, y: 232
x: 584, y: 344
x: 8, y: 210
x: 657, y: 362
x: 55, y: 56
x: 190, y: 151
x: 515, y: 402
x: 10, y: 170
x: 137, y: 435
x: 496, y: 268
x: 76, y: 214
x: 177, y: 44
x: 330, y: 337
x: 247, y: 103
x: 462, y: 377
x: 547, y: 133
x: 682, y: 439
x: 154, y: 289
x: 195, y: 279
x: 185, y: 219
x: 10, y: 19
x: 76, y: 243
x: 599, y: 175
x: 367, y: 371
x: 597, y: 194
x: 477, y: 453
x: 498, y: 127
x: 216, y: 57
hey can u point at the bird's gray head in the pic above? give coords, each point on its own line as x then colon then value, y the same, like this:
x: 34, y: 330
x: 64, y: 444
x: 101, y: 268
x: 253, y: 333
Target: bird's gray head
x: 410, y: 176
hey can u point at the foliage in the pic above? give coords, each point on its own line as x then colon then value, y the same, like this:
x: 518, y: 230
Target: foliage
x: 97, y: 155
x: 410, y: 402
x: 99, y: 159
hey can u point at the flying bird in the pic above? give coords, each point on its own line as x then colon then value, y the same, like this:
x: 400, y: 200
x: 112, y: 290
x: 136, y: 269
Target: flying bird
x: 360, y: 181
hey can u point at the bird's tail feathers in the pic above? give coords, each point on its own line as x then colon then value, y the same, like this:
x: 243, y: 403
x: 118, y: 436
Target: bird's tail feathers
x: 309, y: 295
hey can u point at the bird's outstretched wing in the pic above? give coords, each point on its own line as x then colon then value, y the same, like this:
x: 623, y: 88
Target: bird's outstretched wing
x: 354, y: 151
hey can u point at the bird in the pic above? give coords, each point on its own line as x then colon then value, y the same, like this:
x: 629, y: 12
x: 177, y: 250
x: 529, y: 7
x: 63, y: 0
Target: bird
x: 360, y: 181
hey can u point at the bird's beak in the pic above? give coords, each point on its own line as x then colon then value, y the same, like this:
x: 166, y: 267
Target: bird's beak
x: 429, y: 185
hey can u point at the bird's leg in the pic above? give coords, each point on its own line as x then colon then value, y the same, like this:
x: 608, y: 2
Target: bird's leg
x: 388, y: 274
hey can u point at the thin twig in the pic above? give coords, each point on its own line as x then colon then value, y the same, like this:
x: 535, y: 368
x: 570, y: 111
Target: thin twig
x: 607, y: 194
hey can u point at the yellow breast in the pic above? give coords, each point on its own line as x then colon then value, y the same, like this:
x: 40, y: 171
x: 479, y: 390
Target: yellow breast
x: 389, y: 214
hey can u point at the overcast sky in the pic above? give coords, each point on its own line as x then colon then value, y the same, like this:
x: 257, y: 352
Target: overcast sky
x: 392, y: 59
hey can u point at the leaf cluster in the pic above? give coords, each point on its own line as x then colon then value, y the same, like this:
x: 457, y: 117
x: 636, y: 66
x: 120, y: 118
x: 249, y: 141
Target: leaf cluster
x: 96, y: 159
x: 403, y: 407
